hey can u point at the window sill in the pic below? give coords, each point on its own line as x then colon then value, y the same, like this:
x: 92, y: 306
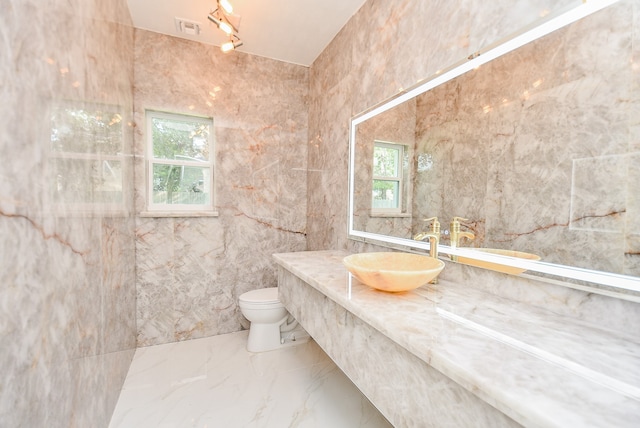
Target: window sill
x: 159, y: 214
x: 399, y: 215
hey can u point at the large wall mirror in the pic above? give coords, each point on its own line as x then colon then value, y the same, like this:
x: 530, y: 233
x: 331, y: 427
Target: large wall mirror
x: 534, y: 141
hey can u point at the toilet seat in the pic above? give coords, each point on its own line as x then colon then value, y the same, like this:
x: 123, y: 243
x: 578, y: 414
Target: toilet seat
x: 263, y: 296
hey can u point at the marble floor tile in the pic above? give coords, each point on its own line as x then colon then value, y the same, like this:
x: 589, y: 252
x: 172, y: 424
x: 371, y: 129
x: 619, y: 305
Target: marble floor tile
x: 215, y: 382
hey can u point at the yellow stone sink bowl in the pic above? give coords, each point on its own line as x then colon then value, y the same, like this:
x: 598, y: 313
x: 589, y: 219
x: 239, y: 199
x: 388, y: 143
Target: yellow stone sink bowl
x: 496, y: 266
x: 393, y: 272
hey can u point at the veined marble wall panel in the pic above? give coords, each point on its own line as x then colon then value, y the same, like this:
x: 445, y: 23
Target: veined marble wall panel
x: 67, y: 283
x: 190, y: 271
x: 632, y: 249
x: 387, y: 46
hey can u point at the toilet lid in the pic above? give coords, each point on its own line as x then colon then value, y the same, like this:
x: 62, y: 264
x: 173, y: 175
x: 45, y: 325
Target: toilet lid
x: 261, y: 296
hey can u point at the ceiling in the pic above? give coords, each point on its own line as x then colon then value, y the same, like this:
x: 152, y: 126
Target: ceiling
x: 295, y: 31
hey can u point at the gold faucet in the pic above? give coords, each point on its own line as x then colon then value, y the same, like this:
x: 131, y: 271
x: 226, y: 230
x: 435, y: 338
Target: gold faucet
x: 434, y: 239
x: 457, y: 235
x: 433, y: 235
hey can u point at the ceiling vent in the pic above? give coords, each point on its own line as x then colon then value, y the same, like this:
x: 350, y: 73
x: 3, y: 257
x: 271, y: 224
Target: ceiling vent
x: 185, y: 26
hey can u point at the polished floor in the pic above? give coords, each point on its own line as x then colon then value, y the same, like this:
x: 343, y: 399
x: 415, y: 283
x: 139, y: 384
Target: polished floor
x: 215, y: 382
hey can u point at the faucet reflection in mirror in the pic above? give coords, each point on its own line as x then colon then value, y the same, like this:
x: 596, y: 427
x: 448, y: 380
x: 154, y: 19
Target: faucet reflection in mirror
x: 456, y: 234
x: 535, y: 148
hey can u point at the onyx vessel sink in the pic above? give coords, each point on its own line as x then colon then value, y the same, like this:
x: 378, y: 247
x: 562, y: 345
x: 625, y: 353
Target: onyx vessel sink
x: 393, y: 272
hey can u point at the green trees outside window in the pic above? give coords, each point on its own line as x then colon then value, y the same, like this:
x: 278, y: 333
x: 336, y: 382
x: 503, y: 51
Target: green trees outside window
x: 180, y: 161
x: 387, y: 177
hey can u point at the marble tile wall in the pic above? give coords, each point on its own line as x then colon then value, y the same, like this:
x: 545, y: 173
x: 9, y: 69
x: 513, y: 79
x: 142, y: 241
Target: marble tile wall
x: 190, y: 271
x: 385, y: 47
x: 67, y: 250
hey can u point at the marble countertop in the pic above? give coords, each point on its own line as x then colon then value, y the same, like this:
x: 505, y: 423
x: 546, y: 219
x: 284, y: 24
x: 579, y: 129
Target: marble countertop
x: 540, y: 368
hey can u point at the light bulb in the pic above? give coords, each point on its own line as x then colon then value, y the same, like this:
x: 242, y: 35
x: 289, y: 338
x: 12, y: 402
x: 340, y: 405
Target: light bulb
x: 226, y: 6
x: 226, y: 27
x: 228, y: 46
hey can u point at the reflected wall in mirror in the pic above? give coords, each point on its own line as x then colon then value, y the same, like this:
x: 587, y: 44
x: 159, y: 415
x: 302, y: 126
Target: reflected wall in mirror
x: 538, y: 149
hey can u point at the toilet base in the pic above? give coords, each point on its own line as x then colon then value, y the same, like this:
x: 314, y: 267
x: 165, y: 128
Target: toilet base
x: 294, y: 337
x: 267, y: 337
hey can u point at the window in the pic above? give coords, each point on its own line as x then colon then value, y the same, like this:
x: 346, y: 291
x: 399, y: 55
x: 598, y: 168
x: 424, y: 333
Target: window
x: 180, y: 163
x: 388, y: 159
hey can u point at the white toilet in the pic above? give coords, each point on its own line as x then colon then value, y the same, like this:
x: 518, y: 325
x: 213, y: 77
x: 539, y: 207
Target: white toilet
x: 271, y: 325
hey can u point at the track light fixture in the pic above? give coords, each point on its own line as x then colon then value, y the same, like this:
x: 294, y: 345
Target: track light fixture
x: 226, y: 21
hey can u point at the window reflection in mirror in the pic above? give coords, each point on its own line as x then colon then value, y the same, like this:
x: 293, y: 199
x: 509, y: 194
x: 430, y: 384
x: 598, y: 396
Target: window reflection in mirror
x: 389, y: 165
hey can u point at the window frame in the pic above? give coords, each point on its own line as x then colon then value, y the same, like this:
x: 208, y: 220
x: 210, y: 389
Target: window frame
x: 170, y: 210
x: 398, y: 178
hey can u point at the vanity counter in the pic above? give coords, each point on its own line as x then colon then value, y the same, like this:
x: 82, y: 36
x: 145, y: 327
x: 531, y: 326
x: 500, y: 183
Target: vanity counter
x: 536, y: 367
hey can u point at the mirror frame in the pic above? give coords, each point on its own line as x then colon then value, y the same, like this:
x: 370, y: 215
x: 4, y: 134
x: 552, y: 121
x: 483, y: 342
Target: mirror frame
x: 619, y: 285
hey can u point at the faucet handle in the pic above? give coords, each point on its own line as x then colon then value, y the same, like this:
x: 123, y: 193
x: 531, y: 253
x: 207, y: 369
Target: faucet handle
x: 455, y: 223
x: 435, y: 226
